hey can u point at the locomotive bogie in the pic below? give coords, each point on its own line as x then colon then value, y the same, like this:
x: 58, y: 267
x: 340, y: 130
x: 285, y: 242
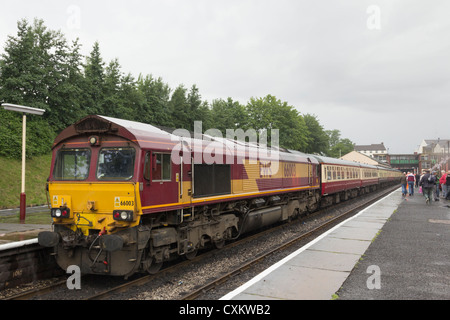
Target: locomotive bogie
x: 93, y: 254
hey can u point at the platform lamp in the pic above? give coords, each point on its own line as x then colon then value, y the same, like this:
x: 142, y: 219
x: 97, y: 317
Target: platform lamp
x: 24, y: 110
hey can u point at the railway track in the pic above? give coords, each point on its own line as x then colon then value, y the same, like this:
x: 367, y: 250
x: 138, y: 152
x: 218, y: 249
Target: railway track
x: 327, y: 224
x: 118, y: 291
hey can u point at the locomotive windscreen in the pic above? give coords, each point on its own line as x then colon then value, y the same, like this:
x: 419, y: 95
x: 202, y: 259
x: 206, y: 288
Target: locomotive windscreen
x: 211, y: 179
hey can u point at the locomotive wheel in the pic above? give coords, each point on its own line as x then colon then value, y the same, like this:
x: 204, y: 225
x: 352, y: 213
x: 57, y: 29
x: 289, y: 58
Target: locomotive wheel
x: 219, y: 244
x: 191, y: 255
x: 154, y: 267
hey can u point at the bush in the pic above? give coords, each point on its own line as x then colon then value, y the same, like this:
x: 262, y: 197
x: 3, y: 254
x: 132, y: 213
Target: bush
x: 39, y: 135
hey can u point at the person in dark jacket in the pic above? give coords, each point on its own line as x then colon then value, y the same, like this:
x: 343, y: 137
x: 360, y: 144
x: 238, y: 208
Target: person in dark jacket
x: 428, y: 183
x: 437, y: 185
x: 447, y: 183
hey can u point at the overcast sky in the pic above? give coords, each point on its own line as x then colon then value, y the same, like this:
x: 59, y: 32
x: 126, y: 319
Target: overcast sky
x: 378, y: 71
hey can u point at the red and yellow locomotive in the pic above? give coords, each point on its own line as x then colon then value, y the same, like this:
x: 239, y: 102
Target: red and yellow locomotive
x: 127, y: 196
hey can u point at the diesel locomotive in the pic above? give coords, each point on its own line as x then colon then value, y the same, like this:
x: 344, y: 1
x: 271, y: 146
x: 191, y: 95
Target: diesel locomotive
x: 126, y: 196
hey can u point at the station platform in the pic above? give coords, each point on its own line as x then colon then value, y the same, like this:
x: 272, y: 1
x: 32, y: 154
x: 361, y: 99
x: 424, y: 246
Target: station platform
x: 17, y: 232
x: 397, y: 248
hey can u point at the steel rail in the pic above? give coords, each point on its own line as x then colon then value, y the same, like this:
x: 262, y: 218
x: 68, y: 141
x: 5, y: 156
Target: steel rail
x: 218, y: 281
x: 173, y: 268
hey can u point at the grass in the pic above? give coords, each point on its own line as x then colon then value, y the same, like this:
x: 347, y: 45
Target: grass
x: 37, y: 171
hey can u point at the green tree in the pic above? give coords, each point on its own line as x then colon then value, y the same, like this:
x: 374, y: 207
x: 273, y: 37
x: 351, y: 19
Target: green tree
x: 271, y: 113
x: 156, y: 94
x: 40, y: 69
x: 66, y: 97
x: 130, y: 98
x: 317, y: 138
x: 228, y: 114
x: 338, y: 147
x: 334, y: 136
x: 35, y: 68
x: 111, y: 104
x: 95, y: 80
x: 197, y: 109
x: 180, y: 108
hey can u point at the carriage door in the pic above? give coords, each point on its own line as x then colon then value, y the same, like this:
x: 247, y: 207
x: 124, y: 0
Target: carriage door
x: 184, y: 180
x: 186, y: 174
x: 160, y: 185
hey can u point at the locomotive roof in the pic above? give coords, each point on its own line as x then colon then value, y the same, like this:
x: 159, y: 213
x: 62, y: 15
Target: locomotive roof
x: 148, y: 136
x: 152, y: 137
x: 333, y: 161
x: 96, y: 124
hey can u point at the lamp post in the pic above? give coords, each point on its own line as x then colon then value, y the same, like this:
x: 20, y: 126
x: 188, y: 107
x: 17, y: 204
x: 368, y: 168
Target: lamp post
x: 24, y: 110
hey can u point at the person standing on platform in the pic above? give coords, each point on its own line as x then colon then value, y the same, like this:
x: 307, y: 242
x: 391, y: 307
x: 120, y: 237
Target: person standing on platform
x: 436, y: 186
x: 428, y: 183
x: 403, y: 183
x: 411, y: 180
x: 447, y: 183
x: 442, y: 182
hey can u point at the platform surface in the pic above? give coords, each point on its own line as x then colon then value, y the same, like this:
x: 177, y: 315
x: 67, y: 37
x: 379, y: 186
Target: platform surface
x: 393, y: 228
x: 16, y: 232
x: 411, y: 256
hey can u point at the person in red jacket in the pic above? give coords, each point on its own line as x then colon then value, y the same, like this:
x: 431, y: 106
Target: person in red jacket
x: 442, y: 183
x: 411, y: 181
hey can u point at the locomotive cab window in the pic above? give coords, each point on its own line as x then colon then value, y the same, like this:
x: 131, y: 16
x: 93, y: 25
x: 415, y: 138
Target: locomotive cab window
x: 162, y: 169
x: 72, y: 164
x: 116, y: 163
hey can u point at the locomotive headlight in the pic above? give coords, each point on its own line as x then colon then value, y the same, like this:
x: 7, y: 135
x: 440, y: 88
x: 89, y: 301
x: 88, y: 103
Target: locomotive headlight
x: 94, y: 140
x: 61, y: 212
x: 123, y: 215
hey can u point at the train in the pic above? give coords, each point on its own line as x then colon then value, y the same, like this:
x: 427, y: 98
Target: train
x: 125, y: 197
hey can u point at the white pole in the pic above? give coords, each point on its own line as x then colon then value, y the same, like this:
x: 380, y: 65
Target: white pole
x: 24, y: 141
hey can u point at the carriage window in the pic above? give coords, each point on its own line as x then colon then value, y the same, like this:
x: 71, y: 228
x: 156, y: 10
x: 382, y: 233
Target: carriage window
x: 72, y: 164
x: 162, y: 169
x: 116, y: 164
